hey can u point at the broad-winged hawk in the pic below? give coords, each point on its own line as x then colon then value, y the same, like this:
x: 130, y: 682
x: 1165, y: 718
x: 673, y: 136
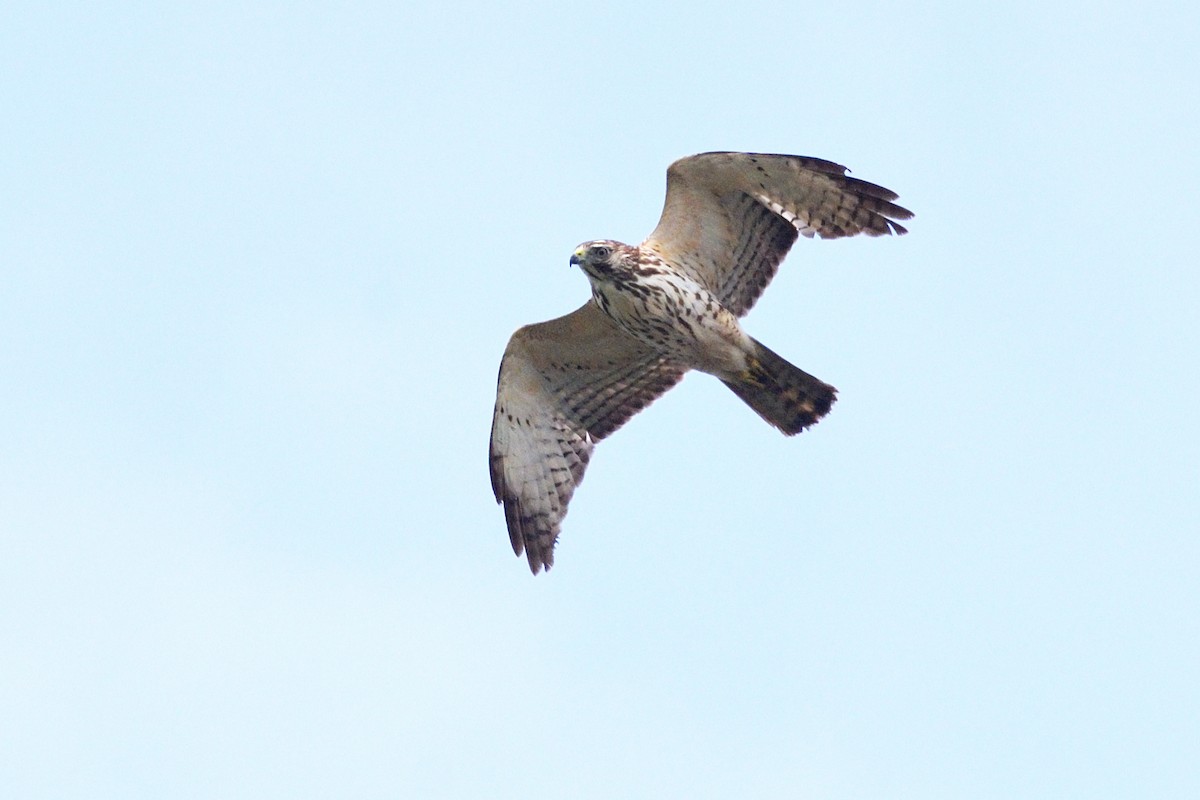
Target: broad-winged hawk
x: 660, y: 309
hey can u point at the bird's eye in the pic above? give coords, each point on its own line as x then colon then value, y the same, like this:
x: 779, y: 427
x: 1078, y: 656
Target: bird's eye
x: 601, y: 252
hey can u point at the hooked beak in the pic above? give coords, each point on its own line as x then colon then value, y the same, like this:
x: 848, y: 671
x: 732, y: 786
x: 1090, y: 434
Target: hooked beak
x: 577, y: 257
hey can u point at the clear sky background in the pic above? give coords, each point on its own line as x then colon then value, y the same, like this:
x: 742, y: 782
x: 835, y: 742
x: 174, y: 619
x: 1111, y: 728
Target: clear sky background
x: 258, y: 264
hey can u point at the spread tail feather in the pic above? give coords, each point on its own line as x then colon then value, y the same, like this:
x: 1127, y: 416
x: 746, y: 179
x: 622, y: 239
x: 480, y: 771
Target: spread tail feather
x: 782, y: 394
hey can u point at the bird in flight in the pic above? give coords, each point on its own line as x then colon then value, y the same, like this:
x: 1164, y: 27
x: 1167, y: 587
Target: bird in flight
x: 659, y: 309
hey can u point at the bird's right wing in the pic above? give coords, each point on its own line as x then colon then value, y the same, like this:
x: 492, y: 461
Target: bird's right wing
x: 564, y: 385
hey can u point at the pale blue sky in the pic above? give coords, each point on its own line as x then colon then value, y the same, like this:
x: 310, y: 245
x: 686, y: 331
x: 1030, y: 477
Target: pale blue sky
x: 258, y: 263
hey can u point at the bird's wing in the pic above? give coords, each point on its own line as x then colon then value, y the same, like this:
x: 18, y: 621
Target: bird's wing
x: 564, y: 385
x: 730, y: 218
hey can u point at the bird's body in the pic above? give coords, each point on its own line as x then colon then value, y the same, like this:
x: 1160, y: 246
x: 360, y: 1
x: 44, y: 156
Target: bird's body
x: 663, y: 308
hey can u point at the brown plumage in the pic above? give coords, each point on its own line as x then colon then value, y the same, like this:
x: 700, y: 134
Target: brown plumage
x: 782, y: 393
x: 660, y: 309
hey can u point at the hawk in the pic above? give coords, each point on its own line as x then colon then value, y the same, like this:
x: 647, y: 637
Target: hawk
x: 659, y: 309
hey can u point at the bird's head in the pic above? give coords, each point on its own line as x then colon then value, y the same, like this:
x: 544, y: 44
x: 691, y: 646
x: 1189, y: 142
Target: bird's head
x: 602, y: 258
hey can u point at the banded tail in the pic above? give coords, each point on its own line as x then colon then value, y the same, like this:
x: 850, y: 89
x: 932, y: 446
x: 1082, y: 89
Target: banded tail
x: 782, y: 394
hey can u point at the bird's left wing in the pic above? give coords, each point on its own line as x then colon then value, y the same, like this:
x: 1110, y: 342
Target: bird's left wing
x: 564, y: 385
x: 730, y: 218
